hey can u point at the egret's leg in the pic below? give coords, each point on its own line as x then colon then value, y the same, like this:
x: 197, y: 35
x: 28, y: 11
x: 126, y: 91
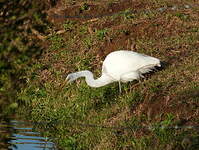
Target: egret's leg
x: 120, y: 89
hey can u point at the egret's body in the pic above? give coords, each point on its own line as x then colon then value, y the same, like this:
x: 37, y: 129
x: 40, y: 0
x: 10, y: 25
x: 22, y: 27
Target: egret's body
x: 121, y: 66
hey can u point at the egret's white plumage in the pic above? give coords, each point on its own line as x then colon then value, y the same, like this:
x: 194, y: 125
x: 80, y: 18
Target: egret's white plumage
x: 119, y: 66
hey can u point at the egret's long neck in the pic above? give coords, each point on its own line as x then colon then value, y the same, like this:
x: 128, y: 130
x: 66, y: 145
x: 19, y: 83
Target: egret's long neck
x: 101, y: 81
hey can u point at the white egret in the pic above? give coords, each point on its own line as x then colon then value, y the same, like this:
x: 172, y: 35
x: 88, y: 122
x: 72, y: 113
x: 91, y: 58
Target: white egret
x: 120, y: 66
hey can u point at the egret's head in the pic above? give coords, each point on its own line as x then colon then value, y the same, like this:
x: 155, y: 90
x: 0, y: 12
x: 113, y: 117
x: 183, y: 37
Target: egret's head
x: 70, y: 77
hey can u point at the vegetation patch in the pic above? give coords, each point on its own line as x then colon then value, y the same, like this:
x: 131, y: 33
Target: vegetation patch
x: 21, y: 35
x: 158, y: 112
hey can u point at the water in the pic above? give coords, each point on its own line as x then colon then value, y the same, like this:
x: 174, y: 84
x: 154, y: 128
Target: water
x: 20, y: 135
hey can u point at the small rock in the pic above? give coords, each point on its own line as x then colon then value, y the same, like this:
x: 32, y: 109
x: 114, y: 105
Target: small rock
x: 161, y: 9
x: 187, y: 6
x: 173, y: 8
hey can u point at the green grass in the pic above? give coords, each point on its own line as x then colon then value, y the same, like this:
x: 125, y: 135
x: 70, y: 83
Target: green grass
x: 84, y: 7
x: 69, y: 25
x: 18, y: 48
x: 57, y: 42
x: 81, y: 117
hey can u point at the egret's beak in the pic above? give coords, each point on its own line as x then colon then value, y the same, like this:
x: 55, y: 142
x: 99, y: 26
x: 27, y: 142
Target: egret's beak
x: 64, y: 83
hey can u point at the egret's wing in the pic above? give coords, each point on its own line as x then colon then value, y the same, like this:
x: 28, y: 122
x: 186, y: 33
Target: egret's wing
x: 147, y: 68
x: 118, y: 63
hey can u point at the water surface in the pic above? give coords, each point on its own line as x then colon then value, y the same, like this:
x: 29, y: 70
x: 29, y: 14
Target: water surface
x: 20, y: 135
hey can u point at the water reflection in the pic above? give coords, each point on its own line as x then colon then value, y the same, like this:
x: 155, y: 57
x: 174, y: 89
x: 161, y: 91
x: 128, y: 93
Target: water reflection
x: 20, y: 135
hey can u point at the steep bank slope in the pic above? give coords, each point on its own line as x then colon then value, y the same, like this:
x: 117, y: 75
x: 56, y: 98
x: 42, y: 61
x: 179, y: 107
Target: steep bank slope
x: 81, y: 36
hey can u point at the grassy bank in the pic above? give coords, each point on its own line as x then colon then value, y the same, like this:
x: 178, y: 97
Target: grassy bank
x: 80, y: 117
